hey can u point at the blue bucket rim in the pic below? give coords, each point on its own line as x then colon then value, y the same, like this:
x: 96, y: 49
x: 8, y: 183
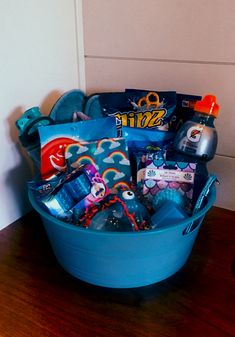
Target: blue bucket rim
x: 186, y: 222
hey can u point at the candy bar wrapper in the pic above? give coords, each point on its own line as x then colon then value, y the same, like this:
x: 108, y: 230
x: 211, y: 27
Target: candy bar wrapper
x: 162, y: 174
x: 55, y: 138
x: 109, y: 156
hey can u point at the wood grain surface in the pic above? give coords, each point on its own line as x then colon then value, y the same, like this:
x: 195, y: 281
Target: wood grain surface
x: 39, y: 299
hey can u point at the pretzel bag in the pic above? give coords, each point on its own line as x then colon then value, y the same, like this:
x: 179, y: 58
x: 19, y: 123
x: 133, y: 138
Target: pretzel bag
x: 151, y: 109
x: 135, y: 108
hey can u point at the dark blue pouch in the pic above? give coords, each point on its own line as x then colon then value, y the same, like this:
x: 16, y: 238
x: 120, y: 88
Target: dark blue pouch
x: 152, y: 109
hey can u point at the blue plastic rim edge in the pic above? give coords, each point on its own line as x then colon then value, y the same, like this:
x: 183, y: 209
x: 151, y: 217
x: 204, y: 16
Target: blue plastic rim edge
x: 186, y: 222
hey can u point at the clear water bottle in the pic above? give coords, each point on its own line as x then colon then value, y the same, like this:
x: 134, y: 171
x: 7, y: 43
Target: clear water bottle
x: 198, y: 138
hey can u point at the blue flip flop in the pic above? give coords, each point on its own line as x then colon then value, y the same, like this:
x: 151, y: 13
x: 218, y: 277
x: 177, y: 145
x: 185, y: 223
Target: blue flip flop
x: 68, y: 105
x: 92, y: 107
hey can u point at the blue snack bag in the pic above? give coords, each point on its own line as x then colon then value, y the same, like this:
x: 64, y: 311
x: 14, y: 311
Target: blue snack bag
x: 163, y: 175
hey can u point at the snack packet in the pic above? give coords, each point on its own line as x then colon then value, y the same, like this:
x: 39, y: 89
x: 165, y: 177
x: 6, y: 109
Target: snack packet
x: 153, y: 109
x: 55, y: 138
x: 162, y: 174
x: 67, y: 197
x: 134, y: 108
x: 143, y: 141
x: 109, y: 156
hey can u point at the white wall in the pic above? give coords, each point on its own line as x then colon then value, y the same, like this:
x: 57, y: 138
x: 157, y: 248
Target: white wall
x: 182, y: 45
x: 38, y: 62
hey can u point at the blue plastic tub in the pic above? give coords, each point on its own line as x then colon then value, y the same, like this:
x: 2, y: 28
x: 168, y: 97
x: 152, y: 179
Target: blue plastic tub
x: 122, y: 260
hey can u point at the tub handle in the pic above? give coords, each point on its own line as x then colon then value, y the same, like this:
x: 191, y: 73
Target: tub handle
x: 192, y: 226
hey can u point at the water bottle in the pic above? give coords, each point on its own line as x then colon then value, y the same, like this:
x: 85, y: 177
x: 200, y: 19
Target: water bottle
x: 198, y: 138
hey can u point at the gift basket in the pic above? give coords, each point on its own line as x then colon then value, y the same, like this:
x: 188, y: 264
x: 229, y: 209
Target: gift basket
x: 121, y: 181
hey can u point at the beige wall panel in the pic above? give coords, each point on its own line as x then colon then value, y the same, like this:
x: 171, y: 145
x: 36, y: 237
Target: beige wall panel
x: 224, y: 168
x: 161, y: 29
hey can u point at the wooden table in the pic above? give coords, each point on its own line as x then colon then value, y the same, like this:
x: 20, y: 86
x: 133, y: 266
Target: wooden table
x: 38, y: 298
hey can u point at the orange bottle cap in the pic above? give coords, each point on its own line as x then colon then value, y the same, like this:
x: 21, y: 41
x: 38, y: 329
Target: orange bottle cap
x: 207, y: 106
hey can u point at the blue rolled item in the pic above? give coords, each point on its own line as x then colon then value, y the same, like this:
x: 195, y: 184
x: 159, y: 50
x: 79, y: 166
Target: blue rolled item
x: 122, y: 260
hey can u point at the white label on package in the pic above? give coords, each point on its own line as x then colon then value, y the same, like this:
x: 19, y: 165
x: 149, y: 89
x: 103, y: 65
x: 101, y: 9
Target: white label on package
x: 169, y: 175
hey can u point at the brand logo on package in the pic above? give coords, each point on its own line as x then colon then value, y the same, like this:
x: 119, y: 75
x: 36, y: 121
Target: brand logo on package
x: 194, y: 134
x: 142, y: 119
x: 150, y: 113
